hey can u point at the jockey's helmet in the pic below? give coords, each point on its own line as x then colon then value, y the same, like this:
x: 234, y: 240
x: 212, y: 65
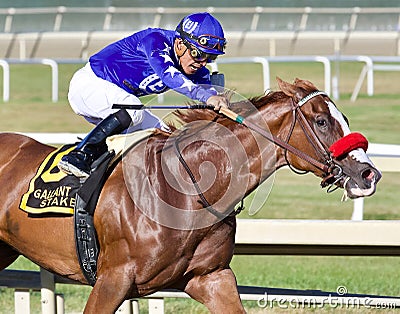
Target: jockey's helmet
x: 203, y: 32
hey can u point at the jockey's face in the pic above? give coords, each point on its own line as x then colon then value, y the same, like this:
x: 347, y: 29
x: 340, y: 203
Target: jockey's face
x: 187, y: 62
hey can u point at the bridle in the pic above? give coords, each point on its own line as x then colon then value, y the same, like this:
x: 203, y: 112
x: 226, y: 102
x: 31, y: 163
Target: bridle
x: 332, y: 172
x: 312, y: 138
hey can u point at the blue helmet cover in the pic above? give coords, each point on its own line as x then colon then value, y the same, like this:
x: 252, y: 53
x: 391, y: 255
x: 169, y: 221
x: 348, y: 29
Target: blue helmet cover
x: 203, y: 31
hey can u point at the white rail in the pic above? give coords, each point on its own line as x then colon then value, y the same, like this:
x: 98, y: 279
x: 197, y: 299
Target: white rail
x: 367, y: 71
x: 45, y: 61
x: 265, y: 61
x: 319, y: 232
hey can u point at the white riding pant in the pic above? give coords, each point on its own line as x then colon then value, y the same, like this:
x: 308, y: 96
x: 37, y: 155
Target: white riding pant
x: 93, y: 97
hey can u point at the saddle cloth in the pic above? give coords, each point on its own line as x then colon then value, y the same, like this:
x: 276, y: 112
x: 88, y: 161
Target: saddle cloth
x: 53, y: 191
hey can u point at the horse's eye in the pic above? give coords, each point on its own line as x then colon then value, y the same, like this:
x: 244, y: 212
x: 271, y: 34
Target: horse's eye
x: 321, y: 123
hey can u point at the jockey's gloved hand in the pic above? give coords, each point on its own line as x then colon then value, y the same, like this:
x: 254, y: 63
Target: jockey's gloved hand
x: 218, y: 102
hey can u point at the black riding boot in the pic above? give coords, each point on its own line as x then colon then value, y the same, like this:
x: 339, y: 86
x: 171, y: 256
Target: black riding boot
x: 79, y: 161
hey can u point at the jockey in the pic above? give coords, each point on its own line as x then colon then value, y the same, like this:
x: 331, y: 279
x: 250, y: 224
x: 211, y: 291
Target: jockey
x: 150, y: 61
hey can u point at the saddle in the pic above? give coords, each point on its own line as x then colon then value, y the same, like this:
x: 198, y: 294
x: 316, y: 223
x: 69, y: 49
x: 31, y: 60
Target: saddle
x: 53, y: 192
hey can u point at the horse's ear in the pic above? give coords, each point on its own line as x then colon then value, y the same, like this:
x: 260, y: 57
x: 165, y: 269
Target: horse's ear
x: 305, y: 84
x: 289, y: 89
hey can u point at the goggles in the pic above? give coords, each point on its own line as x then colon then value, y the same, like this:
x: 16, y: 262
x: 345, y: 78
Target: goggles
x: 206, y: 41
x: 211, y: 42
x: 199, y: 55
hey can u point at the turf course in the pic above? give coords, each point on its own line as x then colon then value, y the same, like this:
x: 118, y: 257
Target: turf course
x: 293, y: 197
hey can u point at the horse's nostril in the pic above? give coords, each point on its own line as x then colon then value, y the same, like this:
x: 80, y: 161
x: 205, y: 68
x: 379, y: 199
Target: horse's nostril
x: 368, y: 175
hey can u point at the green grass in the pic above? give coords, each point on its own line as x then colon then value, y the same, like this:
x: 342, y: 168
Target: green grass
x: 368, y: 275
x: 292, y: 197
x: 30, y: 107
x: 300, y: 197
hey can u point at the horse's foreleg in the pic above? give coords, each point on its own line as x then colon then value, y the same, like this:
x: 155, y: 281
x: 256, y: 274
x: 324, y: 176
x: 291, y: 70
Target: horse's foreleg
x: 108, y: 293
x: 217, y: 291
x: 7, y: 255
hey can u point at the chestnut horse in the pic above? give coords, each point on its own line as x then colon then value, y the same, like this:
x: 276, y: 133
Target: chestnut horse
x: 164, y: 218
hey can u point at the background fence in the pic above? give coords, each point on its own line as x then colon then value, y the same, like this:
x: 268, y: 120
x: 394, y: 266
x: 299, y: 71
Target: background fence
x: 331, y: 80
x: 43, y: 32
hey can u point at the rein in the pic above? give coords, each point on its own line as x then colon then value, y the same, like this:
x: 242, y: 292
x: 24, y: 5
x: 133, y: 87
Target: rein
x: 326, y: 168
x: 333, y: 172
x: 203, y: 199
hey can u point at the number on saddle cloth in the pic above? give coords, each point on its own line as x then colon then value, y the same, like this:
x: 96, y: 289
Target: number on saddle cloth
x: 51, y: 190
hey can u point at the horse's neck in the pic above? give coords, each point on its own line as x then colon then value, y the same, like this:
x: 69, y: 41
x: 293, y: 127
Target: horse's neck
x: 233, y: 159
x: 276, y: 120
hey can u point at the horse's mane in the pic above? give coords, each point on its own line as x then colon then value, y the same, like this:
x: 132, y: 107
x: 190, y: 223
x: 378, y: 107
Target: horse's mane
x: 240, y: 107
x: 244, y: 108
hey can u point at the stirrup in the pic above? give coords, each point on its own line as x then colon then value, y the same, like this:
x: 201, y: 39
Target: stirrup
x: 70, y: 169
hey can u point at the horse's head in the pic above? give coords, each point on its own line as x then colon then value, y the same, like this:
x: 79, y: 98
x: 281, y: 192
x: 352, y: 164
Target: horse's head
x: 329, y: 150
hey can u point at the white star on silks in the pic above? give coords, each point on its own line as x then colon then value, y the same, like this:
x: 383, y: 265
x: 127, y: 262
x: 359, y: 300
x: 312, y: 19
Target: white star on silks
x: 167, y: 48
x: 187, y: 84
x: 167, y: 58
x: 171, y: 70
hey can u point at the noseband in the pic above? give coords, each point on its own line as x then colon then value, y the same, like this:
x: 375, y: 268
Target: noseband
x: 332, y: 171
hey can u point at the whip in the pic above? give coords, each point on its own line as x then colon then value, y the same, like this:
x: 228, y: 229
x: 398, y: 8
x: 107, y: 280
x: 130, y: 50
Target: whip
x: 143, y: 107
